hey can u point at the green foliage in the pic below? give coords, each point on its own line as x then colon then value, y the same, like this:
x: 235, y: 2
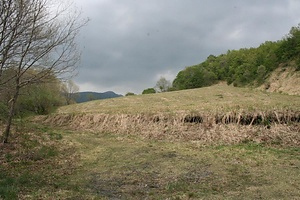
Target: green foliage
x: 129, y: 94
x: 8, y: 189
x: 290, y: 46
x: 261, y: 73
x: 39, y: 99
x: 44, y: 152
x: 194, y: 77
x: 244, y: 66
x: 149, y: 91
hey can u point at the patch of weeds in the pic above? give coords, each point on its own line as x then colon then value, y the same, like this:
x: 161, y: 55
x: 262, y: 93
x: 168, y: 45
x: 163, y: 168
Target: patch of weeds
x: 169, y: 154
x: 11, y: 186
x: 55, y: 136
x: 8, y: 188
x: 247, y: 141
x: 250, y: 146
x: 267, y: 122
x: 29, y: 143
x: 43, y: 128
x: 8, y: 157
x: 177, y: 186
x: 31, y: 179
x: 220, y: 96
x: 44, y: 152
x: 109, y: 188
x: 192, y: 195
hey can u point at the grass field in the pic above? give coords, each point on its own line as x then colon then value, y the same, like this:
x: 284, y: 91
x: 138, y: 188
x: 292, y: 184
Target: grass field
x: 218, y: 98
x: 217, y: 114
x: 143, y: 147
x: 62, y: 164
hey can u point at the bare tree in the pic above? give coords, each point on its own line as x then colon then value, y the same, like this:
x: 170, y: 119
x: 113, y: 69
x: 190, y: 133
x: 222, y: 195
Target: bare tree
x: 69, y: 90
x: 163, y: 85
x: 35, y: 38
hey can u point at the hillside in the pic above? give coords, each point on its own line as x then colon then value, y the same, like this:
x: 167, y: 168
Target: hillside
x: 284, y: 79
x: 249, y: 66
x: 219, y: 110
x: 81, y: 97
x: 217, y: 98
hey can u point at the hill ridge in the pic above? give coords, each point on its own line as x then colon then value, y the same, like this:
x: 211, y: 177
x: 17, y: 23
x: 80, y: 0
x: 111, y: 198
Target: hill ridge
x: 81, y: 97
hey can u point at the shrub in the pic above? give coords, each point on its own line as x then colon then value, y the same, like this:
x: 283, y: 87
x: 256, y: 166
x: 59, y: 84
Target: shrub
x: 149, y: 91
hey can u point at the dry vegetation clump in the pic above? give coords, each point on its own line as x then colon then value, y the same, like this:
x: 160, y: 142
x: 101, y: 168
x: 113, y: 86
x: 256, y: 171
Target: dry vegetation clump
x: 273, y: 127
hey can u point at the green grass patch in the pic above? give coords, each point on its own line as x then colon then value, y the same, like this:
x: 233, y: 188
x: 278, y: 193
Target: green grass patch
x: 36, y: 164
x: 8, y: 187
x: 124, y: 167
x: 86, y: 165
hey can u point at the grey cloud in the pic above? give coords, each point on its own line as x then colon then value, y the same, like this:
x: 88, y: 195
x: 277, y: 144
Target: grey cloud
x: 127, y: 44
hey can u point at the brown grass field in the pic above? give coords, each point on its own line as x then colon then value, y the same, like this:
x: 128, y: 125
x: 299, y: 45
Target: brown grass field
x: 217, y: 114
x: 214, y: 99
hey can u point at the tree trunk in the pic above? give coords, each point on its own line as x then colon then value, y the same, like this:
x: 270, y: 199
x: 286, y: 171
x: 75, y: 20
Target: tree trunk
x: 10, y: 116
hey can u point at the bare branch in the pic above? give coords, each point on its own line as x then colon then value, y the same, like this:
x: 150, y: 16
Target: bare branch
x: 35, y: 43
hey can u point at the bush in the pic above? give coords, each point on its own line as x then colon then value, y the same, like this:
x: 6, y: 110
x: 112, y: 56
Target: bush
x: 149, y: 91
x: 129, y: 94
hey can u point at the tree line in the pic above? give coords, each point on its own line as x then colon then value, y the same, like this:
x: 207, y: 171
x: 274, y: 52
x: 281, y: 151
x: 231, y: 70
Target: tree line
x: 243, y: 67
x: 246, y: 66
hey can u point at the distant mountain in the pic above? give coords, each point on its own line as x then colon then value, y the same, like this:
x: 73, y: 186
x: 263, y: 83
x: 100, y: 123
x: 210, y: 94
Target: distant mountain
x: 81, y: 97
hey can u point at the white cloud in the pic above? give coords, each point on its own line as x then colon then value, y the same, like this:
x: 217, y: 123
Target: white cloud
x: 169, y: 75
x: 236, y: 34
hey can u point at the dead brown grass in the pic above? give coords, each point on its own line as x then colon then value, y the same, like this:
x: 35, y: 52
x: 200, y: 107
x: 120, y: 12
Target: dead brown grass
x: 218, y: 114
x: 280, y: 128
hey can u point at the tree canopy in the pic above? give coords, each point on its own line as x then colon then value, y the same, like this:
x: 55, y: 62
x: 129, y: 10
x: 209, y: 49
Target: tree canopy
x: 246, y: 66
x: 149, y: 91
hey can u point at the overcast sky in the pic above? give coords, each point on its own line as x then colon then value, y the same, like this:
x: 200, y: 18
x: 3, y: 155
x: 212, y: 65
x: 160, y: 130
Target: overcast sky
x: 129, y: 44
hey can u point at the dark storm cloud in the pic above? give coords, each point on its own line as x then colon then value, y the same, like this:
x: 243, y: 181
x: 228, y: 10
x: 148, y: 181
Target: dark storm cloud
x: 129, y: 44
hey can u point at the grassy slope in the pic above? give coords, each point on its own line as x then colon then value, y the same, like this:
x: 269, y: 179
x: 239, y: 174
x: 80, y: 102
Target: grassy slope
x: 64, y: 164
x: 217, y: 98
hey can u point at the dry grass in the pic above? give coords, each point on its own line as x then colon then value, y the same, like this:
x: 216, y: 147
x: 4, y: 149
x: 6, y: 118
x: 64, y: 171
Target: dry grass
x: 218, y: 114
x: 218, y: 98
x: 97, y: 165
x: 211, y: 143
x: 35, y: 163
x: 129, y: 167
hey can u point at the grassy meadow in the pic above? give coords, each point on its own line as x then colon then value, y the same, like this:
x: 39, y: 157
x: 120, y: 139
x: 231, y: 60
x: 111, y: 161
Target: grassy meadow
x: 160, y: 146
x: 217, y: 98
